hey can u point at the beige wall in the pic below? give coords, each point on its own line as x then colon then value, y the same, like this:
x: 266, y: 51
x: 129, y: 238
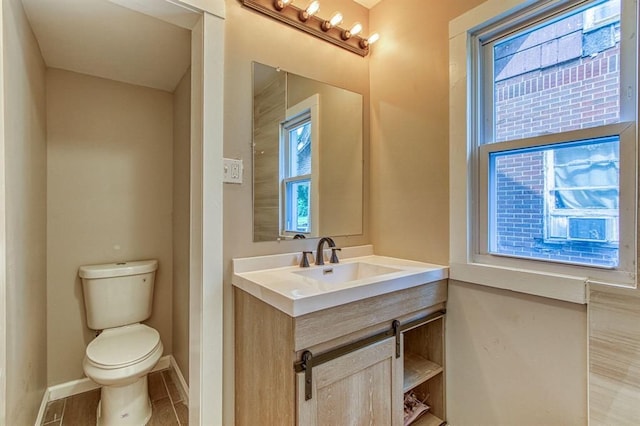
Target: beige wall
x: 181, y: 213
x: 253, y: 37
x: 410, y: 136
x: 25, y: 179
x: 109, y: 199
x: 510, y: 357
x: 514, y: 359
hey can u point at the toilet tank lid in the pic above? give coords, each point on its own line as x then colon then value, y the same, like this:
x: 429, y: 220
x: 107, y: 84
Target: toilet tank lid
x: 119, y: 269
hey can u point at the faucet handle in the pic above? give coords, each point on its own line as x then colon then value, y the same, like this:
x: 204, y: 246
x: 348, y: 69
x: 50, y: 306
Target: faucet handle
x: 304, y: 260
x: 334, y: 255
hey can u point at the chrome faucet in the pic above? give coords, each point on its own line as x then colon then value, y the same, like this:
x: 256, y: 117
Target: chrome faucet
x: 320, y: 250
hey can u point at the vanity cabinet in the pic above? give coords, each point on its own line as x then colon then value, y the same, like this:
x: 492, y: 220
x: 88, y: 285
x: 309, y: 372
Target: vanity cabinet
x: 361, y: 364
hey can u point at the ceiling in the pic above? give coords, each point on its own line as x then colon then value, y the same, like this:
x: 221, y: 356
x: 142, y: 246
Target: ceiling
x: 103, y: 39
x: 368, y: 3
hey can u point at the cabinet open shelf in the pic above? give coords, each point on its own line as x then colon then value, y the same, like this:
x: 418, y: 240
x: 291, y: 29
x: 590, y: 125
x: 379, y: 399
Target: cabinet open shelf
x: 428, y: 419
x: 417, y: 370
x: 423, y: 365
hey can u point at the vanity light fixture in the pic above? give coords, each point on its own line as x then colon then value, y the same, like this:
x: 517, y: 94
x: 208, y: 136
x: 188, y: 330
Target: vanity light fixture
x: 307, y: 20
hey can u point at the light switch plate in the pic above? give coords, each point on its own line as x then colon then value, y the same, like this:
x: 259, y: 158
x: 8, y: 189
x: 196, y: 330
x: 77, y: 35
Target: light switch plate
x: 232, y: 171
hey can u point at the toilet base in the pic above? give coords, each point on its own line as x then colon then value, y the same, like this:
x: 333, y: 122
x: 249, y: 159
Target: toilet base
x: 124, y: 405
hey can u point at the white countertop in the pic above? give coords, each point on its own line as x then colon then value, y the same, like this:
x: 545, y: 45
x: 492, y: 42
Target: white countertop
x: 274, y: 280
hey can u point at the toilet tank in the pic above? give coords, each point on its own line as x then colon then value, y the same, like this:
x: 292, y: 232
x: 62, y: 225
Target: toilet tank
x: 117, y: 294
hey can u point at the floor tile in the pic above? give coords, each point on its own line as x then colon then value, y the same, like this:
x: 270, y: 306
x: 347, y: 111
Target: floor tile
x: 183, y: 413
x: 157, y: 390
x: 80, y: 410
x: 174, y: 394
x: 54, y: 411
x: 163, y: 414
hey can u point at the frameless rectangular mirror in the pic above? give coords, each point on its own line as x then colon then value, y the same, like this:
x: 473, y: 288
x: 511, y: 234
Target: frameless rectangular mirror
x: 307, y: 157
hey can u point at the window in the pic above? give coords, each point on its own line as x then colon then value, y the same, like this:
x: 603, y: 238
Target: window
x: 297, y: 173
x: 298, y: 168
x: 556, y: 203
x: 551, y: 145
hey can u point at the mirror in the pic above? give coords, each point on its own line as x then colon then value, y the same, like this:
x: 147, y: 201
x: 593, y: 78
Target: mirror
x: 307, y: 157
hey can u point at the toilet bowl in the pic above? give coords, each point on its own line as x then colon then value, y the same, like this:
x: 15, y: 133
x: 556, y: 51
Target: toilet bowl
x: 118, y: 296
x: 119, y: 359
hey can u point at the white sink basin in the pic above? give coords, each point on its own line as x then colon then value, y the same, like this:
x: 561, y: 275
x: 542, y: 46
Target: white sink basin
x: 280, y: 282
x: 345, y: 272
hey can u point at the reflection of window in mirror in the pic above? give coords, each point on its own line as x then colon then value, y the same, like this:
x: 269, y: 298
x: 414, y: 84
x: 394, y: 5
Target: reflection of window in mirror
x: 299, y: 192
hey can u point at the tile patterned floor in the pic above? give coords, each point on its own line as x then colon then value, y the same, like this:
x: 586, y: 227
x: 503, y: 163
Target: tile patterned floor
x: 169, y: 406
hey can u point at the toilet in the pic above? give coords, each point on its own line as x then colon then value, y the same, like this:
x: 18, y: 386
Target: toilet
x: 117, y: 297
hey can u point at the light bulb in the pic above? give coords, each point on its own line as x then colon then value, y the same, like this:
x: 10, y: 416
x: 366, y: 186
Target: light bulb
x: 336, y: 19
x: 281, y: 4
x: 355, y: 30
x: 313, y: 7
x: 365, y: 43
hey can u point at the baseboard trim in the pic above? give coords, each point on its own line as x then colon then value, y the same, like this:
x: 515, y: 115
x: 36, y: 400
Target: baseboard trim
x: 182, y: 383
x: 163, y: 363
x: 74, y: 387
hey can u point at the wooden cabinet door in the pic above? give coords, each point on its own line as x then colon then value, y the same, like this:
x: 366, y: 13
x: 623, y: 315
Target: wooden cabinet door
x: 363, y: 387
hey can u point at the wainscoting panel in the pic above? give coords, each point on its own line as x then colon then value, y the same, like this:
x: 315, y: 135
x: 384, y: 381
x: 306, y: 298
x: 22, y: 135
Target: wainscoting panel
x: 614, y: 356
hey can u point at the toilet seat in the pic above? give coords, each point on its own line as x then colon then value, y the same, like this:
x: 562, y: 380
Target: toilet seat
x: 121, y: 347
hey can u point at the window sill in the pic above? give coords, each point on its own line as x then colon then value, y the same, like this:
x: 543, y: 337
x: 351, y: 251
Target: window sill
x: 554, y: 286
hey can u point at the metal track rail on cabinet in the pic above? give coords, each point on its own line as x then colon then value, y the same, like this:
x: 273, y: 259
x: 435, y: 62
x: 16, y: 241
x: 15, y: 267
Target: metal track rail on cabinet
x: 309, y: 360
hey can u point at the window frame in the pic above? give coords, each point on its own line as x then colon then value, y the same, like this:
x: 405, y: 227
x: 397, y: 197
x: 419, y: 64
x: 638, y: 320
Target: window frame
x: 305, y: 110
x: 469, y: 191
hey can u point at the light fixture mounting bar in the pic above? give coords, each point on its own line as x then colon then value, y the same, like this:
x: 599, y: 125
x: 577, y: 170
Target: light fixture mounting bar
x: 290, y: 15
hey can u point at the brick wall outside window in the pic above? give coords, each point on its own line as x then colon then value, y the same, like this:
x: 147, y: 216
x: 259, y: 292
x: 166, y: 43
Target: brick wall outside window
x: 578, y: 94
